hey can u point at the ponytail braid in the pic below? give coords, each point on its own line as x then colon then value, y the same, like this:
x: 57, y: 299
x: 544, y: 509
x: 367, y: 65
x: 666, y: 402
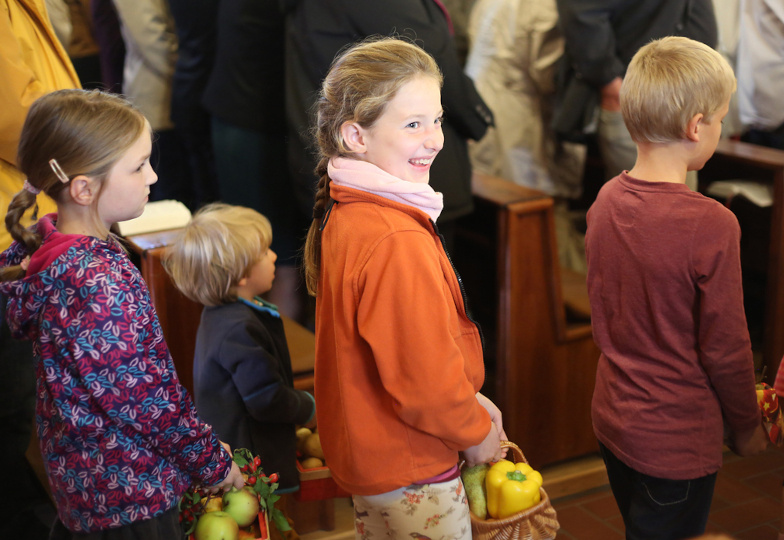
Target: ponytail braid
x: 313, y: 242
x: 21, y: 202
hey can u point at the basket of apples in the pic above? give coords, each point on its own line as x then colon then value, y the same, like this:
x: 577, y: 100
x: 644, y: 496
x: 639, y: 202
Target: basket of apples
x: 237, y: 514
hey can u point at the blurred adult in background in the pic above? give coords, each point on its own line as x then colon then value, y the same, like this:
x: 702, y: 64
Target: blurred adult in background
x: 150, y: 38
x: 760, y: 71
x: 459, y: 12
x: 601, y: 38
x: 317, y: 29
x: 60, y: 17
x: 32, y: 63
x: 728, y: 24
x: 82, y: 47
x: 245, y: 96
x: 106, y: 29
x: 514, y: 48
x: 196, y: 25
x: 515, y: 45
x: 72, y: 22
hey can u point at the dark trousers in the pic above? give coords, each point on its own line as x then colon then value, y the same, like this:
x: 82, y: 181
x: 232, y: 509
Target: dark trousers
x: 773, y: 138
x: 19, y: 487
x: 251, y: 169
x: 164, y: 527
x: 657, y: 508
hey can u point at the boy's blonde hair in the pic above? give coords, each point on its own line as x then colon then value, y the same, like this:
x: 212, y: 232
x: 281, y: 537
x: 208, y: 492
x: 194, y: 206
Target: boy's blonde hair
x: 668, y: 82
x: 217, y: 248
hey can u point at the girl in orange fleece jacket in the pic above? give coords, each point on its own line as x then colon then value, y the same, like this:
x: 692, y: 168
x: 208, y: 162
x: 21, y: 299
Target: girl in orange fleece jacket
x: 398, y: 361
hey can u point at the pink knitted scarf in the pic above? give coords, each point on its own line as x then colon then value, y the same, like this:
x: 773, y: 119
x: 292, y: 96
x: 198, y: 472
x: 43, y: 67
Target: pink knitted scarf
x: 367, y: 177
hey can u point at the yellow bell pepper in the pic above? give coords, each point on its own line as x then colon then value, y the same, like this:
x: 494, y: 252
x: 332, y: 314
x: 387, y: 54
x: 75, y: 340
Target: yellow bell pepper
x: 511, y: 488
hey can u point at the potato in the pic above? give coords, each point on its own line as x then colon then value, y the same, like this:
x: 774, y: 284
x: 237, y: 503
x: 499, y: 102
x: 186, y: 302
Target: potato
x: 312, y: 463
x: 302, y: 434
x: 312, y: 446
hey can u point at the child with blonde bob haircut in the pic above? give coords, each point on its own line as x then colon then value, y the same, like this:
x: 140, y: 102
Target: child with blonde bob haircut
x: 120, y: 438
x: 242, y: 376
x: 664, y: 281
x: 216, y: 250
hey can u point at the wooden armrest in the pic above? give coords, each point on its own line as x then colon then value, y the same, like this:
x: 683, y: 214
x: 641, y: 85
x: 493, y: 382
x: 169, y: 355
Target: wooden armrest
x: 761, y: 156
x: 302, y: 347
x: 575, y: 294
x: 502, y: 192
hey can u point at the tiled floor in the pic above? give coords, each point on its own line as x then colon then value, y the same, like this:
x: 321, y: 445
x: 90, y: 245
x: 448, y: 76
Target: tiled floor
x: 746, y: 505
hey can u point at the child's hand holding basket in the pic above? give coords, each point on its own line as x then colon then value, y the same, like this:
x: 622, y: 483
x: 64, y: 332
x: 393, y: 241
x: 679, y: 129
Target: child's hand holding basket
x: 507, y: 501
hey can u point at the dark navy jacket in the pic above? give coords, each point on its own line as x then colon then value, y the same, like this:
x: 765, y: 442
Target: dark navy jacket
x: 243, y: 385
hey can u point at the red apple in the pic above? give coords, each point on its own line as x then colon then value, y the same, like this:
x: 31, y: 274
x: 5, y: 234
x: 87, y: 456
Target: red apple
x: 216, y: 525
x: 242, y: 505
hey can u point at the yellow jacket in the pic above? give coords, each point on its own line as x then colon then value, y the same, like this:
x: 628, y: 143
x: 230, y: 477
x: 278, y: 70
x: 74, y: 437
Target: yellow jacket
x: 32, y: 63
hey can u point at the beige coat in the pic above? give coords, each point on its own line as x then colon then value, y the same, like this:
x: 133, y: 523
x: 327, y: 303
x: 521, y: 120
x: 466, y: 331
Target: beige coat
x: 32, y: 63
x: 150, y: 56
x: 514, y: 46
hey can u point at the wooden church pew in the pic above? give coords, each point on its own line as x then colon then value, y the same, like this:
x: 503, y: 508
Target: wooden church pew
x: 541, y: 364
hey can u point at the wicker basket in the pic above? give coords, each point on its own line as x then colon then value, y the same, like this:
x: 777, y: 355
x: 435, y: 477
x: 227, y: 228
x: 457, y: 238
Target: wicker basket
x: 536, y: 523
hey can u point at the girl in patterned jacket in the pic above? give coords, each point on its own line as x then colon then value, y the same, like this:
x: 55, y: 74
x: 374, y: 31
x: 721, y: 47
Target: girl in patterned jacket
x: 119, y: 435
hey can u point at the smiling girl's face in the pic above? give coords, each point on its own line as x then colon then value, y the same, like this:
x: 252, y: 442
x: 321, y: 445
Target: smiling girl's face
x: 406, y: 138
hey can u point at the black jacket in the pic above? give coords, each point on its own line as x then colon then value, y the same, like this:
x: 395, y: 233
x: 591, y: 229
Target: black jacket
x: 243, y: 385
x: 245, y: 87
x: 602, y: 36
x: 316, y: 30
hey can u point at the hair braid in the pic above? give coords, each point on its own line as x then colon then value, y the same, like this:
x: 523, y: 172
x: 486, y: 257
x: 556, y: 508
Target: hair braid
x: 313, y: 242
x: 21, y: 202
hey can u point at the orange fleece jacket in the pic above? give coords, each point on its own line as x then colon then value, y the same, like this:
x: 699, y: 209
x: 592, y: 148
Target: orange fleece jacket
x: 398, y: 361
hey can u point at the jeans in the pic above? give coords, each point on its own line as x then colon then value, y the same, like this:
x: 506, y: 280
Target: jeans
x: 657, y: 508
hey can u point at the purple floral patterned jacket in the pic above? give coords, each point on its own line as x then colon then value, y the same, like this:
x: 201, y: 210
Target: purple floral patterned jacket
x: 119, y: 435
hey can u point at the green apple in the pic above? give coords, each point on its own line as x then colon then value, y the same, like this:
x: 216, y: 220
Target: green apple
x: 242, y: 505
x: 216, y: 525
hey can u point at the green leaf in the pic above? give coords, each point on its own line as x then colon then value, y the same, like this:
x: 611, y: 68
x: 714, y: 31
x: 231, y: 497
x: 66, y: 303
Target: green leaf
x: 242, y: 457
x: 280, y: 520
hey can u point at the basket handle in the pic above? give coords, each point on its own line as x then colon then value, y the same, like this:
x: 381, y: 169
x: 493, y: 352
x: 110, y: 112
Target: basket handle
x: 516, y: 451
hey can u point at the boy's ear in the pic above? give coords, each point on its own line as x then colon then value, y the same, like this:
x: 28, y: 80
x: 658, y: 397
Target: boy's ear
x: 82, y: 189
x: 694, y: 127
x: 353, y: 137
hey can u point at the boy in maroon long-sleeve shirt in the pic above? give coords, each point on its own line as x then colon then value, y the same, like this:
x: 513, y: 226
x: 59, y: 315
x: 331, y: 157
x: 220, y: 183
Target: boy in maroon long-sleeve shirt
x: 664, y: 280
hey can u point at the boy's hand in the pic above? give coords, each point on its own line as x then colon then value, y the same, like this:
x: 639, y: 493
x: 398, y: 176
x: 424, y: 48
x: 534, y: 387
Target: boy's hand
x: 751, y: 443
